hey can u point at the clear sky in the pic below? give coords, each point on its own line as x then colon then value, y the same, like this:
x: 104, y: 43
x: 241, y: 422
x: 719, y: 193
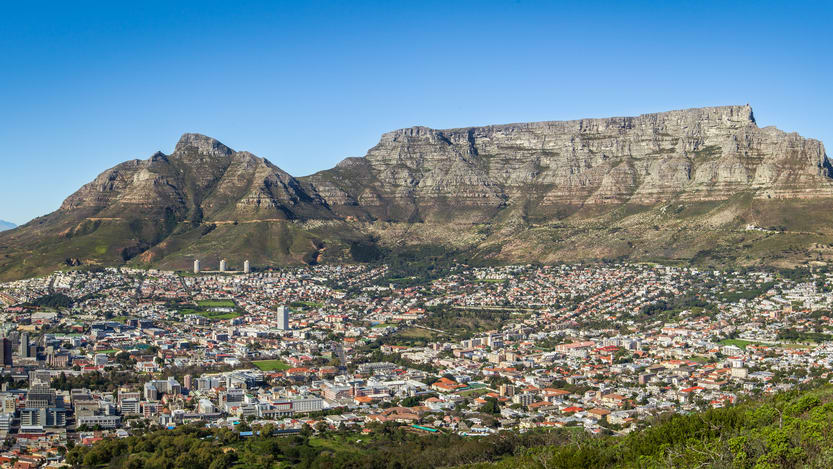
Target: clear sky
x: 86, y: 85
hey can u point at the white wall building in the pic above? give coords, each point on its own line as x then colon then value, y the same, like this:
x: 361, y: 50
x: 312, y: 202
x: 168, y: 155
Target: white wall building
x: 283, y: 318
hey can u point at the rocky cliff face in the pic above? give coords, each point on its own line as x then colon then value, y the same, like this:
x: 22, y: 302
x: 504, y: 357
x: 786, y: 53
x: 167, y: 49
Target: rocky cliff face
x: 471, y: 174
x: 669, y: 185
x: 201, y: 178
x: 694, y: 154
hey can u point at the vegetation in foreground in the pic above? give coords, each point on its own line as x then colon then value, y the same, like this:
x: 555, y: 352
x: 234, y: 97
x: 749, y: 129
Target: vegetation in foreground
x: 789, y: 430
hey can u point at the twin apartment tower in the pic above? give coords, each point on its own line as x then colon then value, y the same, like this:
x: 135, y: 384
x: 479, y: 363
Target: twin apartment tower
x: 247, y: 267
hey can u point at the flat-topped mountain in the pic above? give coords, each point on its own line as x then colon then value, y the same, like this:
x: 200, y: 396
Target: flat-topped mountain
x: 702, y: 184
x: 475, y: 172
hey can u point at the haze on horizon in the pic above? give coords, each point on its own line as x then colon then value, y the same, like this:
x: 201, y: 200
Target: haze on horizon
x: 87, y: 87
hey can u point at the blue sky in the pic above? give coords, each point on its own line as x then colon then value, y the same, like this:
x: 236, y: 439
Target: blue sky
x: 86, y: 85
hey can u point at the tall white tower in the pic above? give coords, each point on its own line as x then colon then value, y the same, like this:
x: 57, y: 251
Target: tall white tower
x: 283, y: 318
x: 196, y: 266
x: 223, y: 265
x: 247, y: 267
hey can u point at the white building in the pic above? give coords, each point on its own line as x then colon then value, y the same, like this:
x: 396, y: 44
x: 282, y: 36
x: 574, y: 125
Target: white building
x: 103, y: 421
x: 223, y: 265
x: 247, y: 268
x: 206, y: 406
x: 283, y: 318
x: 196, y: 266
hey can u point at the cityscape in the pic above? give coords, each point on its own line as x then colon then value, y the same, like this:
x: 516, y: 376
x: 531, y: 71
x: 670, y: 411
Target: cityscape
x: 94, y: 354
x: 416, y: 235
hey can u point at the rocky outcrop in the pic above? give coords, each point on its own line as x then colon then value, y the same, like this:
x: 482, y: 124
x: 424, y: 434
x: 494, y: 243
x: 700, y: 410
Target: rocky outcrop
x: 695, y: 154
x: 202, y: 177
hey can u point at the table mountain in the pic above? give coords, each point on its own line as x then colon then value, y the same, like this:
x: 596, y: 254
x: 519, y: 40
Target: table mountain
x: 704, y: 185
x: 473, y: 173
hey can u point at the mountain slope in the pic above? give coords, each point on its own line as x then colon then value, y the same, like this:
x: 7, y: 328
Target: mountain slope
x: 692, y: 185
x: 696, y: 154
x: 6, y: 225
x: 144, y: 211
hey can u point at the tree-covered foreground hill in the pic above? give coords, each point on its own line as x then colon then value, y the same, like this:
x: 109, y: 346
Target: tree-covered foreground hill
x: 790, y: 430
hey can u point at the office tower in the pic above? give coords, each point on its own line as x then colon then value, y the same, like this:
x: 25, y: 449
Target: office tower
x: 5, y: 352
x: 196, y: 266
x: 283, y: 318
x: 23, y: 347
x: 247, y: 267
x: 223, y: 265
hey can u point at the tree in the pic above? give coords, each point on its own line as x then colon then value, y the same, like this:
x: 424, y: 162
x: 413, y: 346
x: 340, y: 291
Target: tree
x: 491, y: 406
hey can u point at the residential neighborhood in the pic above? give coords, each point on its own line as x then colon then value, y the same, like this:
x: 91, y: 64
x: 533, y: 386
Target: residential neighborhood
x: 103, y: 353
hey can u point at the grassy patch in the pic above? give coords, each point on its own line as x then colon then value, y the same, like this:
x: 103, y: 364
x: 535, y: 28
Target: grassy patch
x: 222, y: 316
x: 271, y: 365
x: 217, y: 303
x: 336, y: 443
x: 203, y: 308
x: 417, y: 333
x: 473, y: 393
x: 737, y: 342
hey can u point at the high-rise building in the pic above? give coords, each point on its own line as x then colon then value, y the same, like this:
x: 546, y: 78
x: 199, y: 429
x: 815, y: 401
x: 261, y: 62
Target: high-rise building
x: 283, y: 318
x: 223, y: 265
x: 196, y: 266
x: 23, y: 347
x: 186, y: 382
x: 151, y: 392
x: 5, y: 352
x: 247, y: 267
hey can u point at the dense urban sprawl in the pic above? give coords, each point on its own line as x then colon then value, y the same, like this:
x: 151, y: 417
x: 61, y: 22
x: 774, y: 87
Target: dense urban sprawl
x: 95, y: 354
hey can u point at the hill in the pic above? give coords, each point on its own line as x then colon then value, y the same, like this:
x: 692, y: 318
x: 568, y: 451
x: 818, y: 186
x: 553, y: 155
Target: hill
x: 789, y: 430
x: 705, y: 185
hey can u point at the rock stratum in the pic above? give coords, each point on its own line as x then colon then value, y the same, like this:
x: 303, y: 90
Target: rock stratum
x: 702, y: 185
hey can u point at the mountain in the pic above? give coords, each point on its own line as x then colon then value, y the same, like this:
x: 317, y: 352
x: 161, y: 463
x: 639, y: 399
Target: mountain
x: 6, y: 225
x: 700, y: 185
x: 472, y: 174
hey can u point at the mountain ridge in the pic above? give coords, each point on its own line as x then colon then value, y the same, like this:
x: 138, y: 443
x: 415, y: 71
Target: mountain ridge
x: 523, y: 191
